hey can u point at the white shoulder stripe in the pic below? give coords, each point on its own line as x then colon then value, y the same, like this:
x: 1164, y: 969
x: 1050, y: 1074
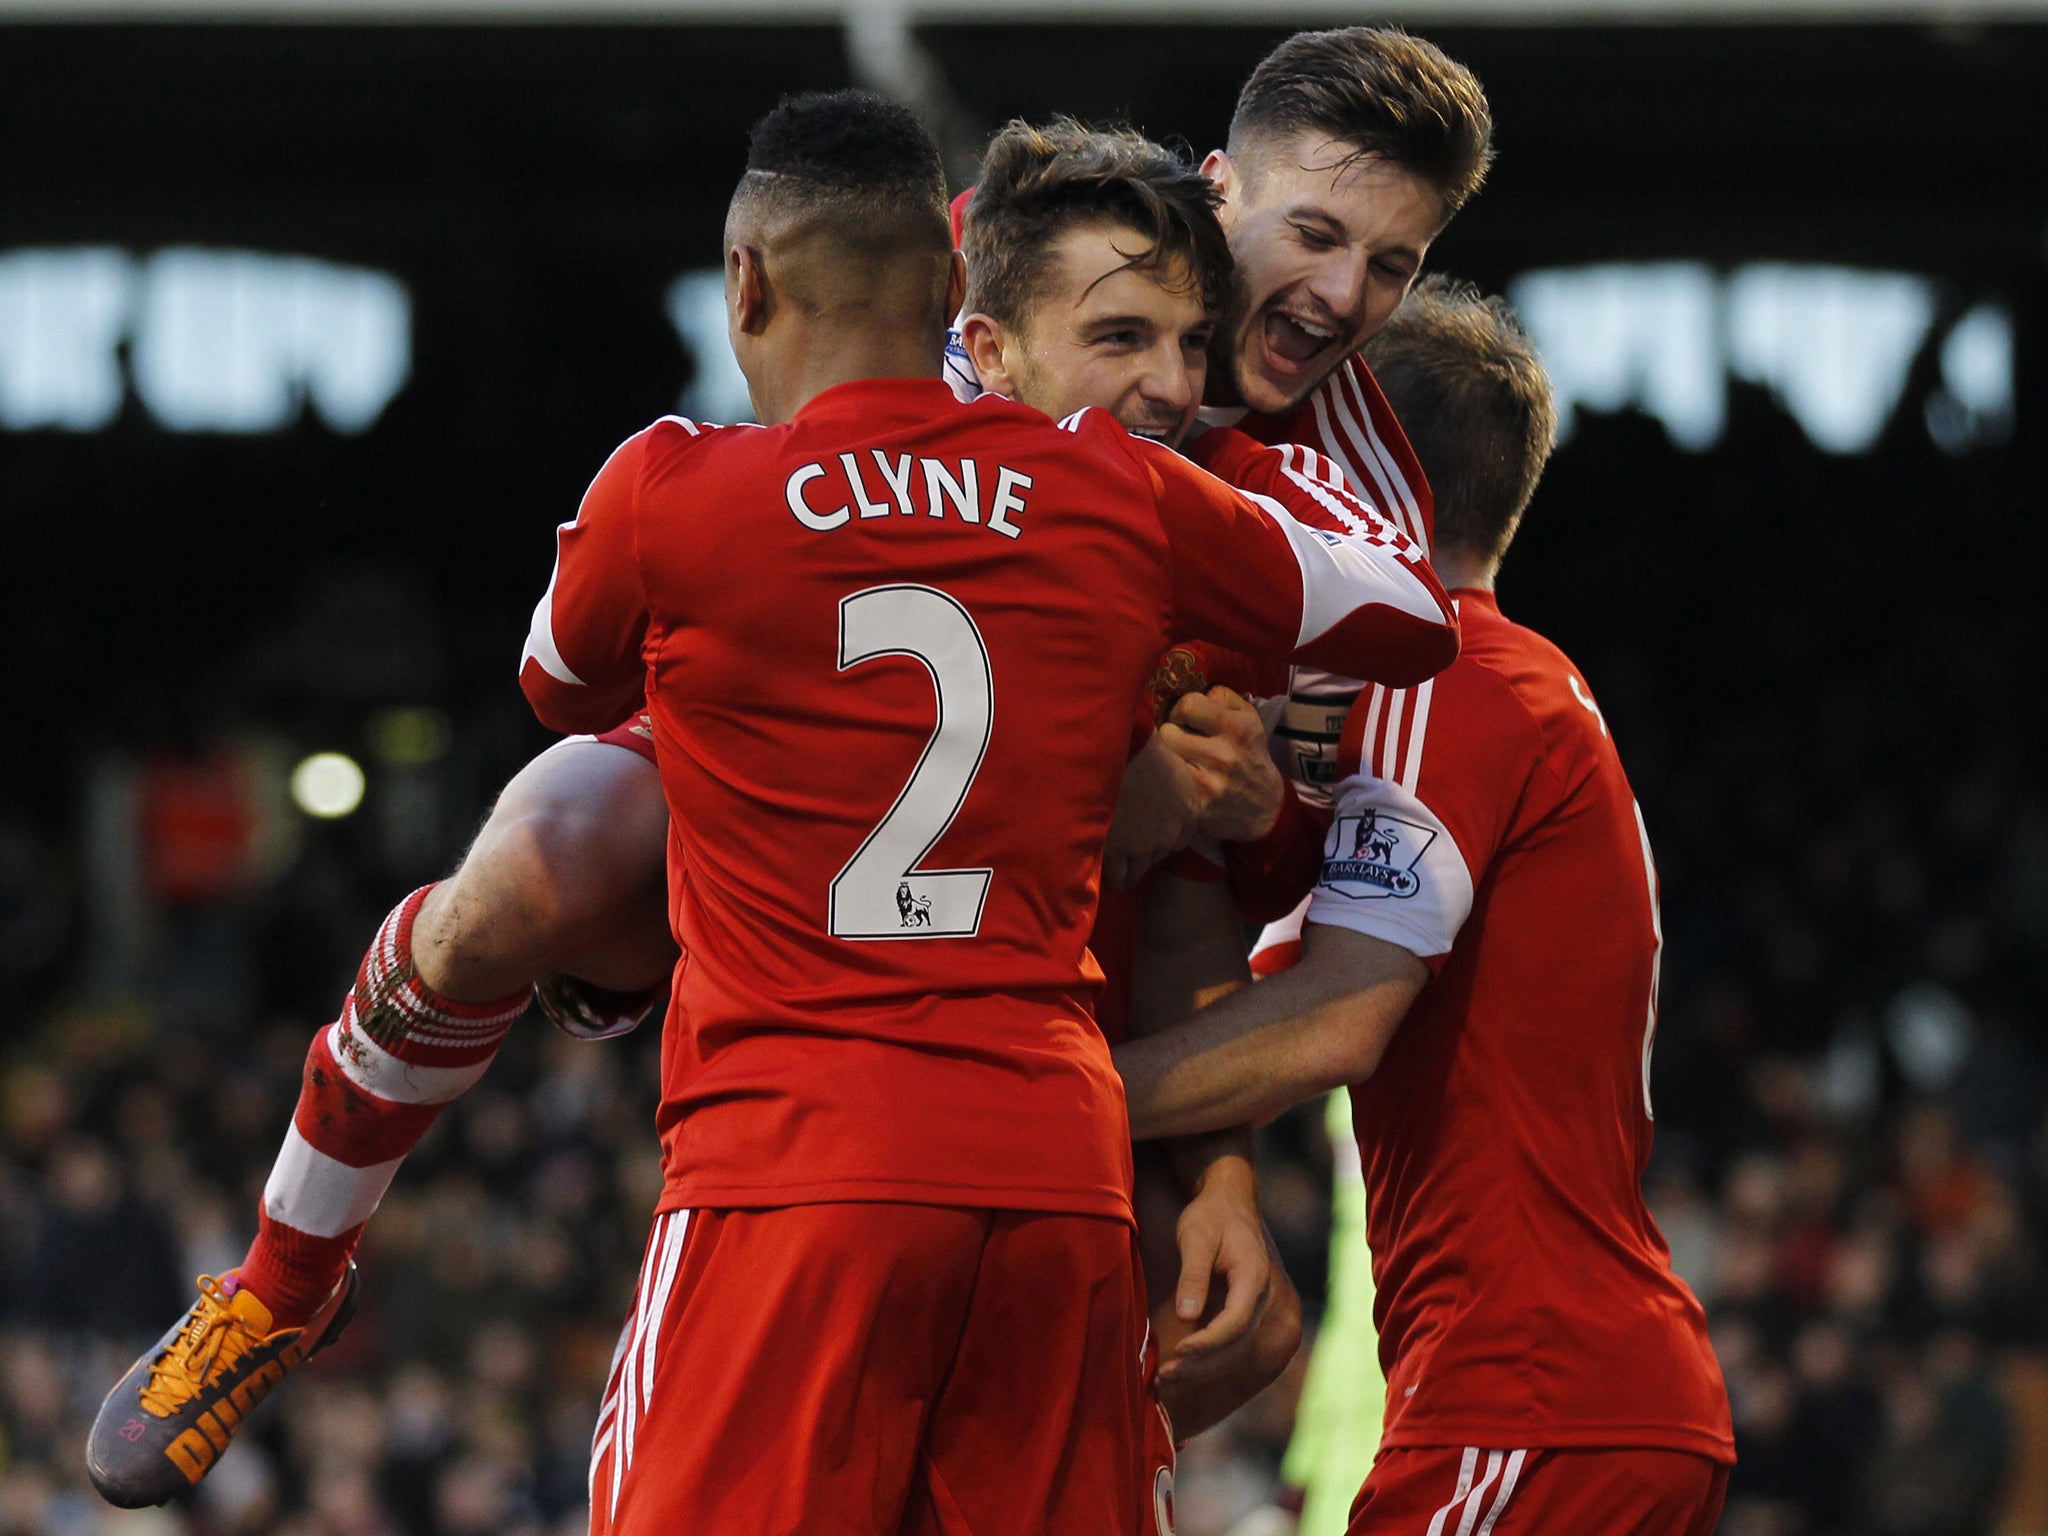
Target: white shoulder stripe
x: 1396, y: 480
x: 1334, y: 505
x: 1368, y: 739
x: 1411, y: 770
x: 1388, y: 758
x: 1345, y: 449
x: 1373, y: 467
x: 1357, y: 426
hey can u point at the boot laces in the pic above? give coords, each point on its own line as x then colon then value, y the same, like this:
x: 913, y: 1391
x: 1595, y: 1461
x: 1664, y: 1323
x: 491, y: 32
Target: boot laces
x: 213, y: 1337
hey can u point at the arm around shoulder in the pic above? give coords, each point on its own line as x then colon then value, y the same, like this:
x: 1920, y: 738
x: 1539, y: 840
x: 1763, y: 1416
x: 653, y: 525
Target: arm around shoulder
x: 1318, y: 1026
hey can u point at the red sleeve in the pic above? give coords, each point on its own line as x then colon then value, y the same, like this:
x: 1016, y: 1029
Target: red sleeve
x: 1247, y: 572
x: 1271, y: 876
x: 1312, y: 489
x: 581, y: 669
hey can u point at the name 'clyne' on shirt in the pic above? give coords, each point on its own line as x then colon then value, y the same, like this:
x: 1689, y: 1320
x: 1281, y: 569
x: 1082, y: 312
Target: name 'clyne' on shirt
x: 900, y: 478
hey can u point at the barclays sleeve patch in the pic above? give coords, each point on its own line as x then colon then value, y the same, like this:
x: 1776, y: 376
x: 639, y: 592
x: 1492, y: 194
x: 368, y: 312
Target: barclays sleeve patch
x: 959, y: 369
x: 1374, y: 856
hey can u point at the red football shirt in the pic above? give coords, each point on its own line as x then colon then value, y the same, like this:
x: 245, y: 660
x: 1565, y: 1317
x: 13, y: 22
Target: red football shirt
x: 1525, y: 1295
x: 1348, y: 420
x: 1312, y: 485
x: 890, y: 651
x: 1349, y: 424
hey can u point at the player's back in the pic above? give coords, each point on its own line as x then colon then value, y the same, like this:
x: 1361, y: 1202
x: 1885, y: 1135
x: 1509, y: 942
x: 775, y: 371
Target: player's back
x: 1523, y: 1285
x: 890, y: 729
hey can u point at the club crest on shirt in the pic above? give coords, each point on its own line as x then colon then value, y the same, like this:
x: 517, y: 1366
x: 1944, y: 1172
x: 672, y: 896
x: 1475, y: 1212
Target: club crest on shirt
x: 1180, y: 672
x: 1375, y: 855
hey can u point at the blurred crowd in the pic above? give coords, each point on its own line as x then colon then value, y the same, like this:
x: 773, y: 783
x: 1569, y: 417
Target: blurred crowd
x: 460, y: 1399
x: 1851, y: 1165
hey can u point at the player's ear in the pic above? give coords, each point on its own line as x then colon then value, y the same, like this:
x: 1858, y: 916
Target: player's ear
x: 1222, y: 170
x: 746, y: 287
x: 987, y: 343
x: 956, y: 284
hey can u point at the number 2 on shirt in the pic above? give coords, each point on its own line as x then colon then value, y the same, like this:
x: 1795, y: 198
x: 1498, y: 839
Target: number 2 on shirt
x: 881, y: 893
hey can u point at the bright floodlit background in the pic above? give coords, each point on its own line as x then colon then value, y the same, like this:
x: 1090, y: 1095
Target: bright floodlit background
x: 316, y: 316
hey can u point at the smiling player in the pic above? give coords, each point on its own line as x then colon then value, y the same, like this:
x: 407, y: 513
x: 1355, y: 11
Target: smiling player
x: 1333, y: 136
x: 1480, y: 965
x: 409, y: 1041
x: 891, y: 1285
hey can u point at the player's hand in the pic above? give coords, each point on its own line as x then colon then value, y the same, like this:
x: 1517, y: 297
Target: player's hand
x: 1222, y: 1243
x: 1156, y: 812
x: 1222, y: 741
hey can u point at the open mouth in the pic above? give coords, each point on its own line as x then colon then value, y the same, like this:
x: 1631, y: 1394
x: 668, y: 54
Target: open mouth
x: 1155, y: 430
x: 1296, y: 342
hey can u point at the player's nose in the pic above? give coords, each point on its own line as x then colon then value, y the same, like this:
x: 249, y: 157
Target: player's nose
x: 1341, y: 283
x: 1167, y: 380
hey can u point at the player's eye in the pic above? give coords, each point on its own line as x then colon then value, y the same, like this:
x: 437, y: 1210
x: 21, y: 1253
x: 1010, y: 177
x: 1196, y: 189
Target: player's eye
x: 1394, y: 271
x: 1316, y: 238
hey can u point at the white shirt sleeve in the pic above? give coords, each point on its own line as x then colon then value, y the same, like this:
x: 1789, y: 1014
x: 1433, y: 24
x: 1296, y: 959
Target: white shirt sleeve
x: 1391, y: 869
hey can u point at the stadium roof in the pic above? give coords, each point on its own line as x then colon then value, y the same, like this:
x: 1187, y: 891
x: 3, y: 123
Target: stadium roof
x: 1287, y: 12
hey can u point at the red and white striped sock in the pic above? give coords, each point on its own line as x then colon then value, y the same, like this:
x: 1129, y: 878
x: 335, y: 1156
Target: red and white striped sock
x: 375, y: 1080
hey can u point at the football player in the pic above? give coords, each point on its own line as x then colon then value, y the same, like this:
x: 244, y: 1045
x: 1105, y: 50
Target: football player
x: 1480, y: 965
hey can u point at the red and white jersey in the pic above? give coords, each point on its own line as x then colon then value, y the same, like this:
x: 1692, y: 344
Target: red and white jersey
x: 1345, y: 418
x: 1525, y: 1297
x: 890, y: 651
x: 1349, y: 421
x: 1346, y: 425
x: 1192, y: 666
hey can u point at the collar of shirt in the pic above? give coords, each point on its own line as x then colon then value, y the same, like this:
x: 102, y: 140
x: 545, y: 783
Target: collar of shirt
x: 1479, y: 595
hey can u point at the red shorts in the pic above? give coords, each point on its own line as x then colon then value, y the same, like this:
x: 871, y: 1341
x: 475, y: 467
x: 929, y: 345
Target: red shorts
x: 1432, y: 1491
x: 878, y: 1368
x: 636, y: 735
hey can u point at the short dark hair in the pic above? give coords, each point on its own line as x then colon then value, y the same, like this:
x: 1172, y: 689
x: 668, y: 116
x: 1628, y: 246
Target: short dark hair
x: 1380, y: 91
x: 871, y: 161
x: 1464, y: 379
x: 1039, y: 181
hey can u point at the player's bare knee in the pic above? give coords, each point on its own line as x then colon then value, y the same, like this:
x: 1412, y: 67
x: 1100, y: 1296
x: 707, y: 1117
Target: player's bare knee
x: 479, y: 935
x: 583, y: 831
x: 502, y: 912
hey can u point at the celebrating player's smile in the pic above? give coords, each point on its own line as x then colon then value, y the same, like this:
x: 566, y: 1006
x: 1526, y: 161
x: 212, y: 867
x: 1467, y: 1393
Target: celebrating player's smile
x: 870, y: 690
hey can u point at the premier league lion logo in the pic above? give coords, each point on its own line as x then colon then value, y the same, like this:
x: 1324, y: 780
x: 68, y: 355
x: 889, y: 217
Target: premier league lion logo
x: 1374, y: 855
x: 916, y: 911
x: 1373, y: 841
